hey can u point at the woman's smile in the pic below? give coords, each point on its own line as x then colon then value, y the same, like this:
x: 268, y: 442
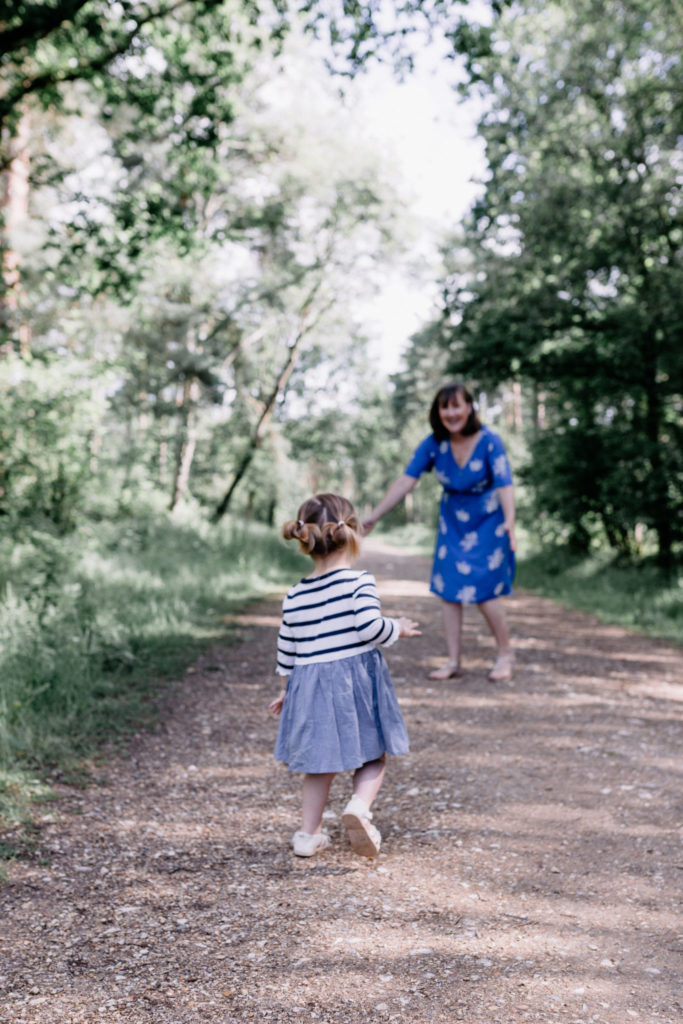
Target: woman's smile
x: 454, y: 414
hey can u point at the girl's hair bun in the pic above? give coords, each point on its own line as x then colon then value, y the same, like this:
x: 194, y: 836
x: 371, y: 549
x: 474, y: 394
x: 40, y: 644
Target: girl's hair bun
x: 305, y: 533
x: 325, y: 523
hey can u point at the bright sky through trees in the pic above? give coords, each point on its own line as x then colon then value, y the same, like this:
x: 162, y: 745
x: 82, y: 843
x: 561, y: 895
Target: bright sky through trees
x: 432, y: 134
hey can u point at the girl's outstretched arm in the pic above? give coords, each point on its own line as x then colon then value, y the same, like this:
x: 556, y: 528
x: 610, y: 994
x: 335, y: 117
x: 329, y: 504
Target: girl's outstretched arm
x: 408, y: 627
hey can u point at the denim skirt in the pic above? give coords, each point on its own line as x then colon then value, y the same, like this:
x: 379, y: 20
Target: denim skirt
x: 337, y: 715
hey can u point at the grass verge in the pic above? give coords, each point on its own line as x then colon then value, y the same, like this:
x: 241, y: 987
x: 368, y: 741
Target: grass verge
x: 91, y: 627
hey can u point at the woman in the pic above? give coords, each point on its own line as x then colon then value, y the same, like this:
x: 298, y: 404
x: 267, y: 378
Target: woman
x: 474, y: 560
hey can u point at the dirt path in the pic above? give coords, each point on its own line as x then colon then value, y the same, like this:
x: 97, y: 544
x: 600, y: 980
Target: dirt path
x: 530, y: 867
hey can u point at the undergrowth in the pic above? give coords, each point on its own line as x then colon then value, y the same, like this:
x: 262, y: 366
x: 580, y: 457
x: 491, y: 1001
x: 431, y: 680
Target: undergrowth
x: 91, y: 626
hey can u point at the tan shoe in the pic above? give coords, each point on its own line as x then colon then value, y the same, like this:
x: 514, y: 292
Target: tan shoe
x: 451, y: 670
x: 502, y: 670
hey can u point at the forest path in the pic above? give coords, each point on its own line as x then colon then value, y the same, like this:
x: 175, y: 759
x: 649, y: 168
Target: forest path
x: 529, y: 869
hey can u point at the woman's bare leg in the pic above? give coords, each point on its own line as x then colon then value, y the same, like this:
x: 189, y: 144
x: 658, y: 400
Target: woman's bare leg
x: 452, y: 623
x: 315, y: 791
x: 494, y: 614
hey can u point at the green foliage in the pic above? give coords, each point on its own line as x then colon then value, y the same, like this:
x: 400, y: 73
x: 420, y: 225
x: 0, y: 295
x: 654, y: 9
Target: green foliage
x: 192, y: 354
x: 570, y: 277
x: 48, y: 46
x: 583, y: 475
x: 48, y: 420
x: 91, y: 626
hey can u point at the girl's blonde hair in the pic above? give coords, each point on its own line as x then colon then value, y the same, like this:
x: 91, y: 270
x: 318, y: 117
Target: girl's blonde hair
x: 325, y: 523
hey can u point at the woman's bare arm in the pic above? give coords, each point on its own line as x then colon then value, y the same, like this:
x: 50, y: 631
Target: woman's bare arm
x: 397, y: 491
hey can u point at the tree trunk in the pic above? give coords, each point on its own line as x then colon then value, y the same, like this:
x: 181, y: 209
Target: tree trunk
x: 259, y: 430
x: 660, y: 505
x: 187, y: 443
x: 279, y: 388
x: 163, y: 464
x: 538, y: 418
x: 14, y: 212
x: 517, y: 407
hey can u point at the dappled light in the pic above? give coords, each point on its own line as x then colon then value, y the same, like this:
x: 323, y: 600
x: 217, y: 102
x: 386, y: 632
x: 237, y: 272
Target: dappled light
x: 527, y: 871
x: 243, y: 246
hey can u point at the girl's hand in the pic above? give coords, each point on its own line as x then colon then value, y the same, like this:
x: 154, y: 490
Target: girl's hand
x: 408, y: 627
x: 510, y: 530
x: 275, y: 706
x: 368, y: 525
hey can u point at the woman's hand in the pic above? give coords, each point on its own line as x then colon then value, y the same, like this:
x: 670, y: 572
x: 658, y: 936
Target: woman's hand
x: 507, y: 502
x: 408, y: 627
x: 509, y: 528
x: 397, y: 491
x: 275, y: 706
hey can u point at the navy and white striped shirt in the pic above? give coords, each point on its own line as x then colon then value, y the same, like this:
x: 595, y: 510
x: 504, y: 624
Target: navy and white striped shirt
x: 329, y: 617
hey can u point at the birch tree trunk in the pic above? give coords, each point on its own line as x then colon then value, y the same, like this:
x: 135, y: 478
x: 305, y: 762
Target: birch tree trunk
x: 13, y: 213
x: 187, y: 443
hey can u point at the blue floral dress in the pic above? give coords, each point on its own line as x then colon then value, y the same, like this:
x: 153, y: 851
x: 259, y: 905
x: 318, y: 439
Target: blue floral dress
x: 472, y: 560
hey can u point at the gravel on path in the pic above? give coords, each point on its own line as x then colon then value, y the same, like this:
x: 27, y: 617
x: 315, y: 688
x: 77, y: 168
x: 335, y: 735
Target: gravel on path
x: 530, y: 868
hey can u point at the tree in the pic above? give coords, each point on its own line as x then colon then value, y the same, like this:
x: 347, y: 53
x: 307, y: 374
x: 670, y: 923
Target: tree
x: 156, y: 89
x: 216, y: 337
x: 577, y: 287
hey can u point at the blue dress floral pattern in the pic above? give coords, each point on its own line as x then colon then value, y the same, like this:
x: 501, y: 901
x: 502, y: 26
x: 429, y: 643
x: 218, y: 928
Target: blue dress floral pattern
x: 472, y: 560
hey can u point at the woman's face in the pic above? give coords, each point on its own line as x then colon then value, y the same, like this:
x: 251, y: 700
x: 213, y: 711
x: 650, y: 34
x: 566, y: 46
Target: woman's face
x: 455, y: 413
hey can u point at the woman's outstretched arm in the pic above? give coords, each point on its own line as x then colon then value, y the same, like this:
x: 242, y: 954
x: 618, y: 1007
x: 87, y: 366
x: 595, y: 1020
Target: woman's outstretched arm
x: 397, y: 491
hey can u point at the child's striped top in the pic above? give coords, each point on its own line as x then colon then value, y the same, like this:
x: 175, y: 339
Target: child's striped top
x: 325, y: 618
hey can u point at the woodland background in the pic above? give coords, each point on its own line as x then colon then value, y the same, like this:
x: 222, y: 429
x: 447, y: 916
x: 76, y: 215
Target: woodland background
x: 192, y: 220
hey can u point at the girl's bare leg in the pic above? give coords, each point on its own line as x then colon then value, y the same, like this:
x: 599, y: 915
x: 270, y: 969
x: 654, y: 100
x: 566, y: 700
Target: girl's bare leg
x: 368, y: 778
x: 315, y: 791
x: 494, y: 613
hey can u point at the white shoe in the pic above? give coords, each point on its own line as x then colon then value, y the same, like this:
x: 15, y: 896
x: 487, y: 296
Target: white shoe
x: 305, y: 844
x: 365, y: 838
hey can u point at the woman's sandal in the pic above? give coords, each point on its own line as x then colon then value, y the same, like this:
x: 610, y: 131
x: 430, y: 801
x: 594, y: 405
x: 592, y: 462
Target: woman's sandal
x: 502, y: 670
x: 451, y: 670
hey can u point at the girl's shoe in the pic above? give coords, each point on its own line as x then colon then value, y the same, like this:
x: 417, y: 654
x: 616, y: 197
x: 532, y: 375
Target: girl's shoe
x: 502, y: 670
x: 451, y: 670
x: 305, y: 844
x: 365, y: 838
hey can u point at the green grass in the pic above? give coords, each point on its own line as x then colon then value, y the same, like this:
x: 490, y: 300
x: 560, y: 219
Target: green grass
x: 637, y: 596
x: 91, y: 626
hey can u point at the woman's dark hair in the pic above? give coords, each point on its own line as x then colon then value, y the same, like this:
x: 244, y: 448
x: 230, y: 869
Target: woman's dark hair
x: 325, y: 523
x: 442, y: 398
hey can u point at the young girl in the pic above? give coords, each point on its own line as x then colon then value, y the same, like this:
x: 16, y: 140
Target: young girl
x: 338, y: 711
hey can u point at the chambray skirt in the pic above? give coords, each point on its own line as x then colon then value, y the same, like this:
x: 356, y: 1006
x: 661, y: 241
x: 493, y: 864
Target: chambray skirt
x: 337, y: 715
